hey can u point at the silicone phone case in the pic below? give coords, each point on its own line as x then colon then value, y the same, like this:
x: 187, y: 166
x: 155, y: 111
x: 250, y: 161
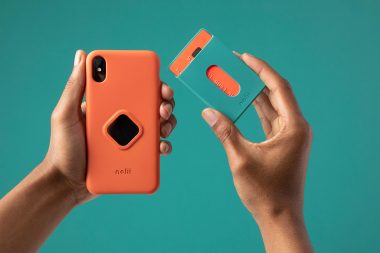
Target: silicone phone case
x: 215, y: 53
x: 122, y: 123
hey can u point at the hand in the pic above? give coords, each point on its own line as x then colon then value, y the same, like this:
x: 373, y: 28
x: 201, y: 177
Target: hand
x: 67, y: 150
x: 269, y: 176
x: 30, y: 211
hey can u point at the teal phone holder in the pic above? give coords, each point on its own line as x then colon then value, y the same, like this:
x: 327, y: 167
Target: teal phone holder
x: 195, y: 79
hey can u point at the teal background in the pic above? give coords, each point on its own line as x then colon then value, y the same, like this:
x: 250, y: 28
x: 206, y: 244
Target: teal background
x: 328, y: 50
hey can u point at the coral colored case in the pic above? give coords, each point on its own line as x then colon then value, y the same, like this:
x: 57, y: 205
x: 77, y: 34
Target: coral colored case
x: 216, y: 76
x: 122, y: 123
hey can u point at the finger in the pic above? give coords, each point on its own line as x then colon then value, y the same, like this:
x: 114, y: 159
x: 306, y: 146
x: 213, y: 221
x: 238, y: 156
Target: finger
x: 172, y: 101
x: 166, y: 110
x: 280, y: 94
x: 166, y: 92
x: 168, y: 126
x: 165, y: 147
x: 265, y: 121
x: 263, y: 108
x: 223, y: 128
x: 265, y: 105
x: 83, y: 107
x: 71, y: 98
x: 237, y: 54
x: 173, y: 121
x: 166, y: 129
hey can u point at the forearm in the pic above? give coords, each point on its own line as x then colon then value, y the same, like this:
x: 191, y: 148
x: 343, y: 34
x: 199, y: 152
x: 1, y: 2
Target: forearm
x: 31, y: 211
x: 284, y: 232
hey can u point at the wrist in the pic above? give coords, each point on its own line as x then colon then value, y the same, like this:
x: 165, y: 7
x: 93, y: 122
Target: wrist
x: 56, y: 183
x: 284, y: 229
x: 276, y: 213
x: 279, y: 216
x: 31, y: 210
x: 77, y: 190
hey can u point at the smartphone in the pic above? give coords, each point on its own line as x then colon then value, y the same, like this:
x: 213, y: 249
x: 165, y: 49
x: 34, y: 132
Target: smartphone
x: 122, y: 121
x: 215, y: 75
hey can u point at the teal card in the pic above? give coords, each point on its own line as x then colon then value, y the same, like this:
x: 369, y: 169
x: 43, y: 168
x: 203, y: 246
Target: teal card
x: 195, y: 78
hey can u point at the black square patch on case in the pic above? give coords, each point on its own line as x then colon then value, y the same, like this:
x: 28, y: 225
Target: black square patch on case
x: 123, y: 130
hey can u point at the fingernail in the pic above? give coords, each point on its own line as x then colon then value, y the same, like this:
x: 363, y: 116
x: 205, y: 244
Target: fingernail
x: 168, y: 108
x: 236, y: 53
x: 167, y: 129
x: 250, y: 55
x: 165, y: 147
x: 210, y: 117
x: 77, y: 58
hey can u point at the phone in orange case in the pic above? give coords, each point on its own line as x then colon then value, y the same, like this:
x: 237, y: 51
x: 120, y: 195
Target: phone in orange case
x: 122, y: 121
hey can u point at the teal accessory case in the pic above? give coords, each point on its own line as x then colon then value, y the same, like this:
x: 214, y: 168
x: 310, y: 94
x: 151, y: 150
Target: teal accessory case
x: 194, y: 77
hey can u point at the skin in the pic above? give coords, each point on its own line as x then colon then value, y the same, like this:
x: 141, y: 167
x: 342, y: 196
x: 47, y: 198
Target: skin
x: 269, y: 176
x: 30, y: 212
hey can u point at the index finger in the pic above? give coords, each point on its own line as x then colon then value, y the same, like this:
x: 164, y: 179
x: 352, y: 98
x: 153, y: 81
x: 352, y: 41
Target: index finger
x: 280, y: 93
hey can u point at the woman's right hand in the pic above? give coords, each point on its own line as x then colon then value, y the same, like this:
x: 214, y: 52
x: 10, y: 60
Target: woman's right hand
x: 269, y: 176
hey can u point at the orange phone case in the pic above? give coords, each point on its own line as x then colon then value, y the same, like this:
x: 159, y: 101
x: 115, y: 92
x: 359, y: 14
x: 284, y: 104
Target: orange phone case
x: 125, y: 104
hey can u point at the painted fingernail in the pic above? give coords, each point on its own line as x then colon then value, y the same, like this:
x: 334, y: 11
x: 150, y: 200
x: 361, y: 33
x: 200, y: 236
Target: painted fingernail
x: 210, y: 117
x: 77, y: 58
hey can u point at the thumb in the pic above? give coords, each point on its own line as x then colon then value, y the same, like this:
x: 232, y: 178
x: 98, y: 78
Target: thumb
x: 226, y: 131
x: 69, y: 105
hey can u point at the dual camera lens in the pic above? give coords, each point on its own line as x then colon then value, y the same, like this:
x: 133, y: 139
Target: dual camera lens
x: 99, y: 69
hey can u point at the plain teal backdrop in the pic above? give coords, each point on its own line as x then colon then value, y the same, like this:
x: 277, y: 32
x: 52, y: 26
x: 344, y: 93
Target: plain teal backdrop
x: 327, y: 49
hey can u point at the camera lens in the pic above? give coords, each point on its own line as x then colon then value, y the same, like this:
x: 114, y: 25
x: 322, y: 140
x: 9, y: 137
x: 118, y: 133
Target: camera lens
x: 99, y: 69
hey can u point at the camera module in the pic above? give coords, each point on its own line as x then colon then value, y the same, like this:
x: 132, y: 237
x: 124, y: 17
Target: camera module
x: 99, y: 69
